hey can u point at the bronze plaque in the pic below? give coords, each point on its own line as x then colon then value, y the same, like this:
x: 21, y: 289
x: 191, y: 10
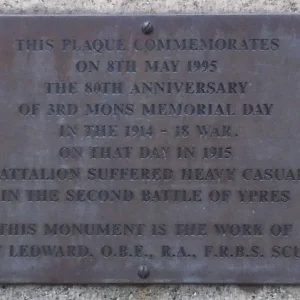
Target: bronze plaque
x: 150, y: 148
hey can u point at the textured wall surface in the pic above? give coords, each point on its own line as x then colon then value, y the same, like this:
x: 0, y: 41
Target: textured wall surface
x: 147, y: 292
x: 147, y: 6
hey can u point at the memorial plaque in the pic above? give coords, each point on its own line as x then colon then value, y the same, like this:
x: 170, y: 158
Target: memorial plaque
x: 150, y: 149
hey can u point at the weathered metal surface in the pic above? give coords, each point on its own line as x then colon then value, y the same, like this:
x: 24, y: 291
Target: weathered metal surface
x: 149, y: 149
